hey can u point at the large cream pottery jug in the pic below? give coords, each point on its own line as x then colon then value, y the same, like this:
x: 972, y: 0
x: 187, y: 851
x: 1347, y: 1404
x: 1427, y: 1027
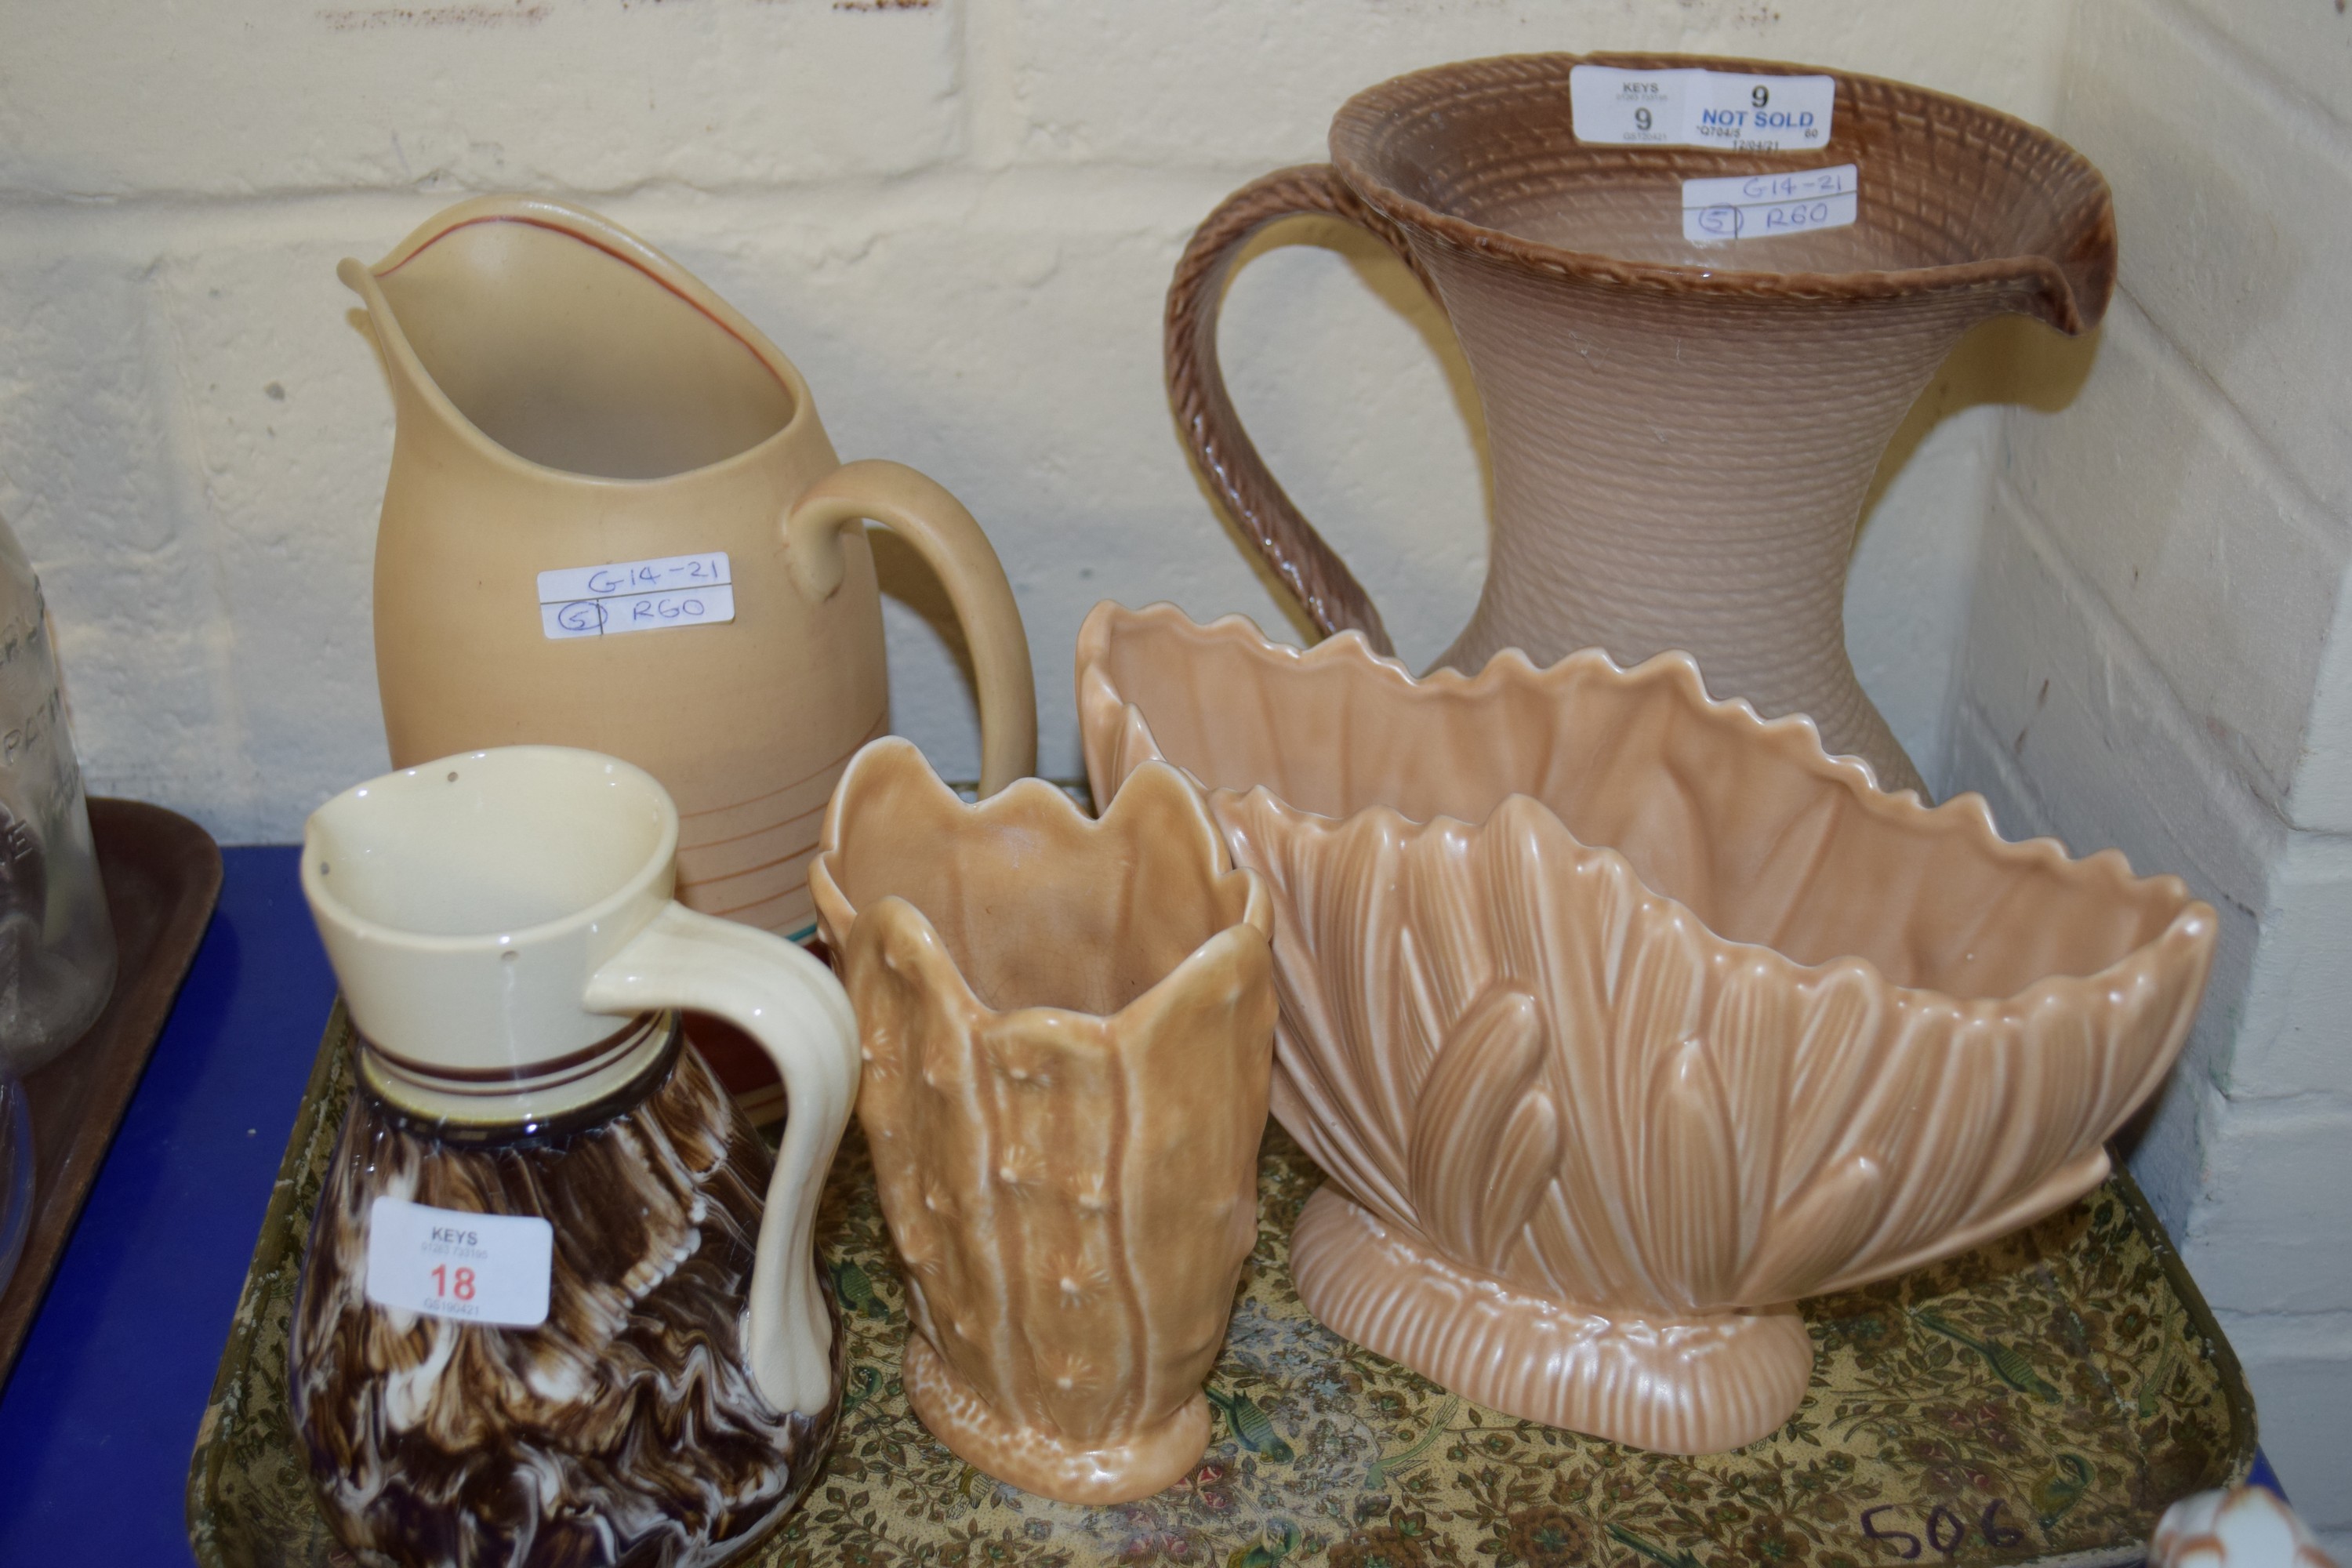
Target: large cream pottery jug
x: 568, y: 397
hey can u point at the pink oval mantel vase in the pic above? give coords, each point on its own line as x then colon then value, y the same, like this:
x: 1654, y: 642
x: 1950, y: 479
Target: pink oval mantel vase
x: 1622, y: 1018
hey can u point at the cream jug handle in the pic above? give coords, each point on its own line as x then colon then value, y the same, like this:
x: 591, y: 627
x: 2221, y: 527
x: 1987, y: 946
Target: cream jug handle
x: 791, y: 1004
x: 921, y: 512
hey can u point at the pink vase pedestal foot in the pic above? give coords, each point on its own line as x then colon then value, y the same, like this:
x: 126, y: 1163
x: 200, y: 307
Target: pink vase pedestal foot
x: 1688, y: 1386
x: 1033, y: 1458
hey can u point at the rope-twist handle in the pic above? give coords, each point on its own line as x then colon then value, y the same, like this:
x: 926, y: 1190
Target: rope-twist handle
x: 1325, y: 588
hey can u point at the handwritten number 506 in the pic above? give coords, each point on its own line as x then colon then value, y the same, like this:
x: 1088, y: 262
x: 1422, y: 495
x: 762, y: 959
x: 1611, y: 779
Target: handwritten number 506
x: 1947, y: 1530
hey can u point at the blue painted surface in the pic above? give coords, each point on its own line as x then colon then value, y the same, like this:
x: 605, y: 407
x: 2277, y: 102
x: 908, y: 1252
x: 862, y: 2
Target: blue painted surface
x: 99, y: 1419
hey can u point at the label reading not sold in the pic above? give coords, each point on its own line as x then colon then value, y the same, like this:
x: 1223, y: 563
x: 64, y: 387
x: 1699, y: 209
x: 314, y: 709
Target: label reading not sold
x: 1728, y: 110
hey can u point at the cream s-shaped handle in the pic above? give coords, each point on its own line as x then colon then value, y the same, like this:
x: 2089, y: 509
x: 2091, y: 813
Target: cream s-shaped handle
x: 920, y: 510
x: 791, y: 1004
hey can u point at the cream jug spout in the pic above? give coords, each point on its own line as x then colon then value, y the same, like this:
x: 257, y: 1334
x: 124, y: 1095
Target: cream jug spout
x: 561, y: 341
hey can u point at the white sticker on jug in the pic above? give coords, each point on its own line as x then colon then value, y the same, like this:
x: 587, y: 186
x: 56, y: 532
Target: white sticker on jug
x: 1688, y: 108
x: 1754, y: 206
x: 636, y: 595
x: 475, y: 1267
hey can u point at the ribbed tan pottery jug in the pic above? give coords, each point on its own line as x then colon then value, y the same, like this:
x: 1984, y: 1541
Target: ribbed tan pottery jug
x: 572, y: 402
x: 1622, y: 1018
x: 1068, y: 1029
x: 1683, y: 434
x: 544, y: 1320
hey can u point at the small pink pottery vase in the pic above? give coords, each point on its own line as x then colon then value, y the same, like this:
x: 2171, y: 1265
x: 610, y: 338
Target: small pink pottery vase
x: 1623, y: 1018
x: 1067, y: 1028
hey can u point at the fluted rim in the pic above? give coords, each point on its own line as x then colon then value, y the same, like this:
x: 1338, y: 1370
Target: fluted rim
x: 2072, y: 291
x: 2193, y: 924
x: 1166, y: 797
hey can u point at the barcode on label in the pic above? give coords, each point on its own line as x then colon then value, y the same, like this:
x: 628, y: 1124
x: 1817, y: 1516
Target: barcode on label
x: 445, y: 1263
x: 636, y: 595
x: 1755, y: 206
x: 1691, y: 108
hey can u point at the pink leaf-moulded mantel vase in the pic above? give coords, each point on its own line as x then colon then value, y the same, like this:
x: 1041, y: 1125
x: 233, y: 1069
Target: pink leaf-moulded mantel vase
x: 1622, y: 1018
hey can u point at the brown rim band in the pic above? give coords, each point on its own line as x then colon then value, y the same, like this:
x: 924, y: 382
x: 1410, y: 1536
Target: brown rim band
x: 666, y: 1037
x: 587, y: 1057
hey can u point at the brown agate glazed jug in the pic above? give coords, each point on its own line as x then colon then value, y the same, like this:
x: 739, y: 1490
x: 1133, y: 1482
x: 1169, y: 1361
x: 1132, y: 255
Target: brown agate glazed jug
x: 591, y: 442
x: 1683, y: 434
x: 543, y: 1318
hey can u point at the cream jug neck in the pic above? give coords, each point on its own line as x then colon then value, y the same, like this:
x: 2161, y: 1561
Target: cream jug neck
x: 537, y: 336
x: 552, y: 1099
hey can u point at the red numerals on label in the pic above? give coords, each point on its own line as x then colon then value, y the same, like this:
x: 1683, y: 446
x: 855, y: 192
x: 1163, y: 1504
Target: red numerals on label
x: 465, y: 1290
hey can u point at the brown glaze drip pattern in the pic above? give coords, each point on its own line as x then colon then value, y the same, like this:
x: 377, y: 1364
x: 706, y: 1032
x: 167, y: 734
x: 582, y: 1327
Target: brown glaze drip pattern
x: 626, y: 1428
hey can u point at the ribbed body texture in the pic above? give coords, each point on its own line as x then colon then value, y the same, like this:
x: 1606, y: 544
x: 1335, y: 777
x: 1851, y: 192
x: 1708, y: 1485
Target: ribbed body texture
x: 1683, y: 435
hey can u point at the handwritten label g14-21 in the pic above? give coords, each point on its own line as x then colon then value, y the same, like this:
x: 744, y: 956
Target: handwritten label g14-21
x: 1756, y: 207
x: 445, y: 1263
x: 636, y: 595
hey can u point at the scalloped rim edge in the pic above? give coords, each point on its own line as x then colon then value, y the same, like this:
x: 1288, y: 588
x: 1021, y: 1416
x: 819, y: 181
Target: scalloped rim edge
x: 2194, y: 921
x: 1257, y: 908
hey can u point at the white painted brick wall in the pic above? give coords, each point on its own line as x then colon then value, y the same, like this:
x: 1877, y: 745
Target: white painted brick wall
x: 2114, y: 608
x: 958, y: 218
x: 2155, y: 655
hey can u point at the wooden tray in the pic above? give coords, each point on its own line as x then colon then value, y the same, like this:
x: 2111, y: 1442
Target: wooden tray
x: 163, y: 874
x: 2037, y: 1401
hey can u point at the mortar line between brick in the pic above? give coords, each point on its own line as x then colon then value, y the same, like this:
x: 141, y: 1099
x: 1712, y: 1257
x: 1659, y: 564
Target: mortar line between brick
x: 2110, y: 629
x: 1057, y: 182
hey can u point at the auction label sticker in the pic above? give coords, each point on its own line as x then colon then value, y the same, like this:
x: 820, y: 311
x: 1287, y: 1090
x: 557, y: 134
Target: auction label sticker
x: 474, y: 1268
x: 1692, y: 108
x: 636, y: 595
x: 1754, y: 206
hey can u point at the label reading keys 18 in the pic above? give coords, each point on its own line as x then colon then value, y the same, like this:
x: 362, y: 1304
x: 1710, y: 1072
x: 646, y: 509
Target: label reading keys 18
x: 1727, y: 110
x: 474, y: 1268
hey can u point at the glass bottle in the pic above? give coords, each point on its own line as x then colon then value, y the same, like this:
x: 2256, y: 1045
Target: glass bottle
x: 56, y: 942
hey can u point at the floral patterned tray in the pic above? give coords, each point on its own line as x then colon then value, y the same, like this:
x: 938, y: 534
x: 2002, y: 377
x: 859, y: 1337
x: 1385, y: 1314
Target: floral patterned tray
x: 2037, y: 1401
